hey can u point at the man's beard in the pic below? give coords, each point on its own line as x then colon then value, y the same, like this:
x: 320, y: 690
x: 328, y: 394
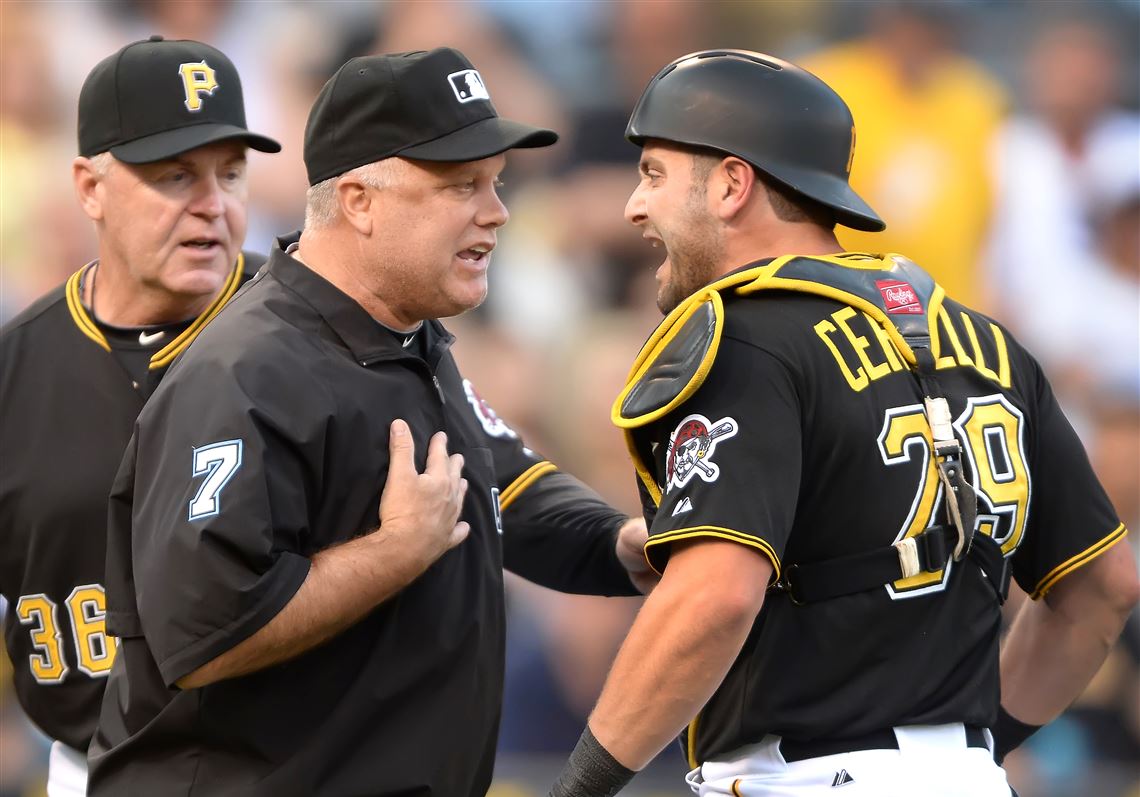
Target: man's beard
x: 694, y: 258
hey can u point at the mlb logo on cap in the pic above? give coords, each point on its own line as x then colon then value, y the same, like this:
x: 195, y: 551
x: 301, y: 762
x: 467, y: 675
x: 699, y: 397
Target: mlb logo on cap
x: 418, y: 105
x: 468, y: 86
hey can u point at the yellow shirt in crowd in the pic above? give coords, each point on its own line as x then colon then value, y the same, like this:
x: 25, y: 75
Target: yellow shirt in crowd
x: 921, y: 159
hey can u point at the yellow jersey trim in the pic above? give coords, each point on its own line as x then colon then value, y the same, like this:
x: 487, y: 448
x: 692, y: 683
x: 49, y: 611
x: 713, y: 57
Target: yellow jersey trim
x: 766, y: 278
x: 1077, y: 562
x: 78, y: 312
x: 746, y: 282
x: 643, y: 472
x: 661, y: 338
x: 691, y: 743
x: 525, y: 480
x: 736, y: 788
x: 720, y: 533
x: 164, y: 356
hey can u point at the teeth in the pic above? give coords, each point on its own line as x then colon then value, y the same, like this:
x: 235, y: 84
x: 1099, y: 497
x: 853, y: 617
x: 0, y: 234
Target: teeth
x: 656, y: 244
x: 482, y: 250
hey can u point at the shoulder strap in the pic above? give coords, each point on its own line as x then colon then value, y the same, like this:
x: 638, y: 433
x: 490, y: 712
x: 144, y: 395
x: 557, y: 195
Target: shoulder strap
x: 673, y: 364
x: 906, y: 301
x: 893, y: 290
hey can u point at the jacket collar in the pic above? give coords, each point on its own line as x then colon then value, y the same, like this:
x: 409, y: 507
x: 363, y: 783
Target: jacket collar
x: 368, y: 341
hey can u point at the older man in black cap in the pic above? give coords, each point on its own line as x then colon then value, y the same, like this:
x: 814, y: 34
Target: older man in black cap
x: 161, y: 173
x: 310, y: 527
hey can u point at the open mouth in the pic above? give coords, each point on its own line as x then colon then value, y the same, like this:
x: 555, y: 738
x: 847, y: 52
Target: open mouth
x: 476, y: 254
x: 654, y: 241
x: 657, y: 243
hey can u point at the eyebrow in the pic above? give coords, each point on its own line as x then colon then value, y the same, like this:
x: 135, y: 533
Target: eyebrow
x: 187, y: 163
x: 649, y: 162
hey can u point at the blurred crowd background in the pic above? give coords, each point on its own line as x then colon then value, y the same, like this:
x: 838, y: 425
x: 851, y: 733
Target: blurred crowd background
x: 999, y: 139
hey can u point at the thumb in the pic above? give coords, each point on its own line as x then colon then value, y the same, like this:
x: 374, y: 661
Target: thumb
x: 401, y: 449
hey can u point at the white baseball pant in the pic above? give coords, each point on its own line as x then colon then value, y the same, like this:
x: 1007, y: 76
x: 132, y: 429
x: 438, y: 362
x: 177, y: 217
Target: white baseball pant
x: 67, y: 772
x: 932, y: 761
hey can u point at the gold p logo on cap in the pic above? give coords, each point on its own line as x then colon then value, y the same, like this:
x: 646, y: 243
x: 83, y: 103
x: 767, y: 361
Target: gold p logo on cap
x: 197, y: 79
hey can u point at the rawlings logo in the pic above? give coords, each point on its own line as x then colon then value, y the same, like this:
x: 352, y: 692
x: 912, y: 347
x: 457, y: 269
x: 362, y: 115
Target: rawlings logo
x: 899, y: 297
x: 691, y: 447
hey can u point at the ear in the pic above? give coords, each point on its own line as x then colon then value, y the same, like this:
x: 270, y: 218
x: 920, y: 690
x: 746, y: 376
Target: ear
x: 355, y: 202
x: 734, y: 184
x: 88, y: 187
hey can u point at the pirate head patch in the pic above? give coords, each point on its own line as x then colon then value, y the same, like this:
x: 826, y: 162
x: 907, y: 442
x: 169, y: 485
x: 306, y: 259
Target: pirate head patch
x: 492, y: 423
x: 691, y: 448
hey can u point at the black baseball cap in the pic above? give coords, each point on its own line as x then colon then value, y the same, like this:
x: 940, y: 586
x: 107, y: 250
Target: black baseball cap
x: 430, y: 106
x: 155, y: 99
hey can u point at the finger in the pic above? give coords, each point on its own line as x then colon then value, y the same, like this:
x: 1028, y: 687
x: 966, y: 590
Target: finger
x: 401, y: 449
x: 459, y: 533
x: 462, y: 493
x: 437, y: 453
x: 455, y: 467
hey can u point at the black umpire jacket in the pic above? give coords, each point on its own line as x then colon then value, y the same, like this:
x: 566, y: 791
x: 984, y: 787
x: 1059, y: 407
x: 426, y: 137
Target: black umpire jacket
x: 268, y: 442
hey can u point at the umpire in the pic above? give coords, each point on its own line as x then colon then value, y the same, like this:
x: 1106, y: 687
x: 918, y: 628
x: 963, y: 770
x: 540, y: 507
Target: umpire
x: 310, y: 526
x: 162, y: 174
x: 842, y: 468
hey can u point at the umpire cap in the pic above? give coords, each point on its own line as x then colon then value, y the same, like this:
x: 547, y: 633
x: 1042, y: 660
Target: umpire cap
x: 430, y: 106
x: 782, y: 119
x: 155, y: 99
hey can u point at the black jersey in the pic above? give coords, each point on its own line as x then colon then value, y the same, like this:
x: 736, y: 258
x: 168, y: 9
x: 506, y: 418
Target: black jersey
x: 807, y: 442
x: 69, y: 404
x: 267, y: 443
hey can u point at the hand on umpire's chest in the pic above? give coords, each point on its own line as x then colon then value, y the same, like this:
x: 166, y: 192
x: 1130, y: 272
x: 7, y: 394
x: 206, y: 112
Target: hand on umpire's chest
x: 419, y: 511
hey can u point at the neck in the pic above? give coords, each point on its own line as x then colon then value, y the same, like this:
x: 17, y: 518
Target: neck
x: 116, y: 299
x: 788, y: 239
x: 342, y: 263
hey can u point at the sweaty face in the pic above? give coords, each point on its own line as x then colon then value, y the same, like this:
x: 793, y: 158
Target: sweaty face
x: 177, y: 225
x: 435, y: 227
x: 670, y: 206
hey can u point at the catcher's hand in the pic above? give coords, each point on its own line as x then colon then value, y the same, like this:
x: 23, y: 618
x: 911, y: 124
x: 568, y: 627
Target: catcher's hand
x: 631, y: 553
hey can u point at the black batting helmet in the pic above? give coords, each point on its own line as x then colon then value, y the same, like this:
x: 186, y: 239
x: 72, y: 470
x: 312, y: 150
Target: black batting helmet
x: 783, y: 120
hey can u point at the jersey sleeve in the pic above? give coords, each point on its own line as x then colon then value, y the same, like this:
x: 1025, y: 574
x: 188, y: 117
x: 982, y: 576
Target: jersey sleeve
x: 219, y: 515
x: 1071, y: 520
x: 728, y: 459
x: 561, y: 534
x: 557, y: 532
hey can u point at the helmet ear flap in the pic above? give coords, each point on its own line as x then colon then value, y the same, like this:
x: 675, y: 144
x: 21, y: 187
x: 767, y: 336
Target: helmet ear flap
x: 783, y: 120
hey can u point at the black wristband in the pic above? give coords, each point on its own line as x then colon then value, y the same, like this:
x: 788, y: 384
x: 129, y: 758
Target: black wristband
x: 1009, y: 732
x: 591, y: 771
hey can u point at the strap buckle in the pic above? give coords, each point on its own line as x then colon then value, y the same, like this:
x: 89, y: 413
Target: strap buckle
x: 908, y: 557
x: 926, y: 552
x: 787, y: 586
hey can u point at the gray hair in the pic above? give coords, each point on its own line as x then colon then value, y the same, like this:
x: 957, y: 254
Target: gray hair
x: 320, y: 201
x: 101, y: 163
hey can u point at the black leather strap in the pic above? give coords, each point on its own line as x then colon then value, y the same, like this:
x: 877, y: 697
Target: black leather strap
x: 847, y: 575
